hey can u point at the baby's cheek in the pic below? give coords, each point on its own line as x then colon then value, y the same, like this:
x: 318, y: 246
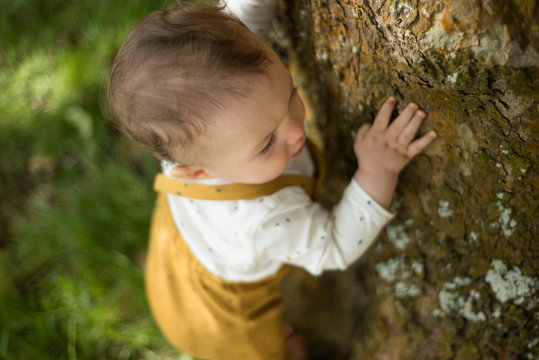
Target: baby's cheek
x: 275, y: 168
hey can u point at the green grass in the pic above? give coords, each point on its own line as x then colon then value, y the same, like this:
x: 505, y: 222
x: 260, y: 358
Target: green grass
x: 76, y: 196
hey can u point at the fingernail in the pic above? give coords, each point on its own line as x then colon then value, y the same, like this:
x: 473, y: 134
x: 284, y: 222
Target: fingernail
x: 421, y: 113
x: 391, y: 99
x: 433, y: 134
x: 413, y: 106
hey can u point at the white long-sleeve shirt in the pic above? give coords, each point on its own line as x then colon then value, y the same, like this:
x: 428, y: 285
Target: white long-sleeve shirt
x: 247, y: 240
x: 257, y: 15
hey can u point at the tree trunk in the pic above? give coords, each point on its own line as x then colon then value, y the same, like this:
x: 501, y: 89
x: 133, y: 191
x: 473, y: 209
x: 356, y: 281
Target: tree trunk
x: 455, y: 275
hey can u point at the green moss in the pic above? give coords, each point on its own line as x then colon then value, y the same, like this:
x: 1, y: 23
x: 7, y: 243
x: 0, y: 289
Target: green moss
x: 443, y: 98
x: 464, y: 80
x: 429, y: 69
x: 469, y: 350
x: 528, y: 271
x: 523, y: 2
x: 482, y: 83
x: 452, y: 62
x: 482, y: 156
x: 446, y: 193
x: 530, y: 210
x: 520, y: 166
x: 521, y: 83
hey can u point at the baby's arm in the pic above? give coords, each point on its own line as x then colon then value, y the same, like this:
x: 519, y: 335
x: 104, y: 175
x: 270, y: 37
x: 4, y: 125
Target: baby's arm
x: 300, y: 232
x: 384, y: 149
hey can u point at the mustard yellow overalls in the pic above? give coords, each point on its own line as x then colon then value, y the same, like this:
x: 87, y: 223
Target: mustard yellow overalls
x: 198, y: 312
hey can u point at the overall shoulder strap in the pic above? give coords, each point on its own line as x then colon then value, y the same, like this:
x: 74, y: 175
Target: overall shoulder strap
x: 230, y: 192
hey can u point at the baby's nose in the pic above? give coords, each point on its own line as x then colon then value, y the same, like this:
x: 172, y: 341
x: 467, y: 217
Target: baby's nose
x: 295, y: 132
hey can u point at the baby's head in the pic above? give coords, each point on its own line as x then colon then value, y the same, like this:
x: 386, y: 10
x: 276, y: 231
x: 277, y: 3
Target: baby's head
x: 195, y: 86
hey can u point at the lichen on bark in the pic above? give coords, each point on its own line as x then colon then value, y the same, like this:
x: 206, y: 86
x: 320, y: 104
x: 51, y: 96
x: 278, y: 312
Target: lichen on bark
x: 465, y: 206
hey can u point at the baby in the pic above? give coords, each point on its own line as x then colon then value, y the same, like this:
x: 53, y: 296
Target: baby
x: 217, y: 106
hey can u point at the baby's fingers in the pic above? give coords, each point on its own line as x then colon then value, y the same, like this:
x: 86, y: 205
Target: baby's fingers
x: 408, y: 133
x: 384, y: 115
x: 417, y: 146
x: 362, y: 131
x: 402, y: 120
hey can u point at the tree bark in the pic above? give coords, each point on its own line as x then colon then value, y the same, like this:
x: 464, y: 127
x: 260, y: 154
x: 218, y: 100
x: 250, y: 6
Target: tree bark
x: 455, y: 275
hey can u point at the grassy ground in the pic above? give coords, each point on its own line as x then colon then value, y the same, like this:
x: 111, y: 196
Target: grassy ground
x: 75, y: 195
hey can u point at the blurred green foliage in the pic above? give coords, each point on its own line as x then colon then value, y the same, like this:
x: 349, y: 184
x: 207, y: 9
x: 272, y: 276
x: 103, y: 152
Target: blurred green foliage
x: 76, y: 196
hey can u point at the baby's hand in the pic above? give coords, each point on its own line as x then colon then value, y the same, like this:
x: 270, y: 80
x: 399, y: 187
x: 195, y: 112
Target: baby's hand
x: 384, y: 149
x: 387, y: 149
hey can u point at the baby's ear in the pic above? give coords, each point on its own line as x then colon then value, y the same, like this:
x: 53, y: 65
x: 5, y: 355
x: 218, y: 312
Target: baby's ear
x: 190, y: 172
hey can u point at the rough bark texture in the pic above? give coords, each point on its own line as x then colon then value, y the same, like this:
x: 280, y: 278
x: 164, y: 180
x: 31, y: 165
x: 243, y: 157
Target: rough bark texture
x: 455, y: 276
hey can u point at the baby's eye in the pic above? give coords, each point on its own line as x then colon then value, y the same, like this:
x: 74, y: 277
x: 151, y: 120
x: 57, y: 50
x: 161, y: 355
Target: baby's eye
x: 269, y: 145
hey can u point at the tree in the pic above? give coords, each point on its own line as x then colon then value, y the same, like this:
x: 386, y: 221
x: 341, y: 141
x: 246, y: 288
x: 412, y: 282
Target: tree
x: 455, y: 275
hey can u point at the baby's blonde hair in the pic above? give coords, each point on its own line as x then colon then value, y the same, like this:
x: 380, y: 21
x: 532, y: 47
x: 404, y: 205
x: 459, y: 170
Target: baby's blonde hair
x: 174, y: 68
